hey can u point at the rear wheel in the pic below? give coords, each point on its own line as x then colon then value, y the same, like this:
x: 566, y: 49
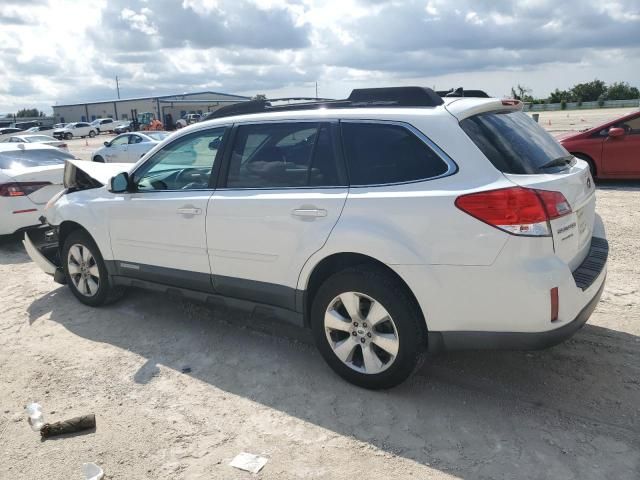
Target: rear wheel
x: 92, y: 134
x: 85, y: 270
x: 368, y: 328
x: 68, y: 136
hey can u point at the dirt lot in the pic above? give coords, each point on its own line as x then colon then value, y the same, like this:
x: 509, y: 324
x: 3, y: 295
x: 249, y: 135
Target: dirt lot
x: 570, y: 412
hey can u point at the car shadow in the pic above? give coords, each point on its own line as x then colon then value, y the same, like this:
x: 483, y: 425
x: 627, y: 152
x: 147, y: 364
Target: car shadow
x: 11, y: 250
x: 567, y: 412
x: 620, y: 185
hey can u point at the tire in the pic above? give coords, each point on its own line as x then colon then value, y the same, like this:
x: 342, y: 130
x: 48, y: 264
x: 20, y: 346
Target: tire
x: 85, y: 271
x: 400, y: 328
x: 92, y: 134
x: 98, y: 159
x: 592, y: 166
x: 68, y: 136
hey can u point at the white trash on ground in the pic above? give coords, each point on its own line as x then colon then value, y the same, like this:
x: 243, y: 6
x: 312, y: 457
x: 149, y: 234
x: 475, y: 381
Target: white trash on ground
x: 36, y: 418
x: 248, y: 462
x: 92, y: 471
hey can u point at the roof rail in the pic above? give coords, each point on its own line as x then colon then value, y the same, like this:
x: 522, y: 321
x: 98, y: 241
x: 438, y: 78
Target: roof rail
x: 460, y: 92
x: 359, y: 98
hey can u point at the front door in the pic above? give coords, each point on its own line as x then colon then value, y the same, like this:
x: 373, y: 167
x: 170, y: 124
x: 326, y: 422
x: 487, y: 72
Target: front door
x: 158, y: 230
x: 116, y: 152
x: 282, y: 193
x: 621, y: 155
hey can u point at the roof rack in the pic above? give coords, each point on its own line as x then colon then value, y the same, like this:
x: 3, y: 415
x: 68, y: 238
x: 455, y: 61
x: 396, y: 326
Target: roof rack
x: 359, y: 98
x: 460, y: 92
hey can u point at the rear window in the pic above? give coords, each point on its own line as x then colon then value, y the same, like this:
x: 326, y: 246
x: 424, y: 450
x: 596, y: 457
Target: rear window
x: 514, y: 143
x: 32, y: 158
x: 380, y: 153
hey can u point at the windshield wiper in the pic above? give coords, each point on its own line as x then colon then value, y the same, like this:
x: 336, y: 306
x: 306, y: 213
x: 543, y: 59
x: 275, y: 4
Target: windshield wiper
x: 558, y: 162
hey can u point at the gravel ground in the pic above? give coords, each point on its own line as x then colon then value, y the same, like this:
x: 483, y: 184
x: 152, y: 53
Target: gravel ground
x: 570, y: 412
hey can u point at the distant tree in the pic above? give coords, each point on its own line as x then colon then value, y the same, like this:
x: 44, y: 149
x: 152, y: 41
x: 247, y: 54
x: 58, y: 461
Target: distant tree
x: 589, y: 91
x: 557, y: 96
x: 523, y: 93
x: 622, y: 91
x: 259, y: 96
x: 29, y: 112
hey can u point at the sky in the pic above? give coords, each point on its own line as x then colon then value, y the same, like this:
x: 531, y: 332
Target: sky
x: 70, y: 51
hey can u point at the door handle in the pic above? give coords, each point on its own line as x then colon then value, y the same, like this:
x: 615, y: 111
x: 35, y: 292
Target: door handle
x: 309, y: 212
x: 189, y: 211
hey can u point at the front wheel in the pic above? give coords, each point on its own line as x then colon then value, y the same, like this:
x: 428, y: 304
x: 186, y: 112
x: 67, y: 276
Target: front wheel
x: 98, y: 159
x: 592, y: 166
x: 85, y: 270
x: 68, y: 136
x: 368, y: 328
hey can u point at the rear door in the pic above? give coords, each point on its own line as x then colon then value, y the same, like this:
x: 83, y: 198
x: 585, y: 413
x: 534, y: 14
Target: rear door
x: 158, y: 230
x: 282, y: 192
x: 137, y: 147
x: 528, y: 156
x: 621, y: 155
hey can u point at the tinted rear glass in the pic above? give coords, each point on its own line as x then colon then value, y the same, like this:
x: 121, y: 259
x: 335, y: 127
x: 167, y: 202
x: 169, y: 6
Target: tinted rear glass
x: 513, y: 142
x: 32, y: 158
x: 379, y: 153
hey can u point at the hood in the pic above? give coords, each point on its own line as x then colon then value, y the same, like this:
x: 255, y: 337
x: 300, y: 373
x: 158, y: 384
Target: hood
x: 568, y: 136
x: 82, y: 174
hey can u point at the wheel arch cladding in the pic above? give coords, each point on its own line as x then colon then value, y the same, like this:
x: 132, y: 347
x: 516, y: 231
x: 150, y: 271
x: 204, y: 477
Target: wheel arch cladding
x: 341, y: 261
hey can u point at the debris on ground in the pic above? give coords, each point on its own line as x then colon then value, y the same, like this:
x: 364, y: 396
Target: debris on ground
x: 248, y: 462
x: 36, y: 418
x: 92, y: 471
x: 186, y: 369
x: 73, y: 425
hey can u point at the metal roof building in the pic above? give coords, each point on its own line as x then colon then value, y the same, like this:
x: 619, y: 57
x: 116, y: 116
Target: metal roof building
x: 162, y: 106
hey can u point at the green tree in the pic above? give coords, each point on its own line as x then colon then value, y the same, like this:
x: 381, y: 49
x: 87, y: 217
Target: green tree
x: 520, y: 92
x: 557, y: 96
x: 589, y: 91
x: 29, y: 112
x: 622, y: 91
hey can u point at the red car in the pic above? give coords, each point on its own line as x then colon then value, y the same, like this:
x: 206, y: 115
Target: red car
x: 611, y: 149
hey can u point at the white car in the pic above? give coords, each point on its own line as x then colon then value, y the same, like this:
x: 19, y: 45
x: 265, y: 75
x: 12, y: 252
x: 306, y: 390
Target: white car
x: 128, y: 147
x: 103, y: 125
x: 35, y: 138
x: 30, y: 174
x: 390, y: 223
x: 76, y: 129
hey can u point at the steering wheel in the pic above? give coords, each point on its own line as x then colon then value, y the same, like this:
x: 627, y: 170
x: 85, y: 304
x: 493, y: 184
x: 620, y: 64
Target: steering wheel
x: 189, y: 176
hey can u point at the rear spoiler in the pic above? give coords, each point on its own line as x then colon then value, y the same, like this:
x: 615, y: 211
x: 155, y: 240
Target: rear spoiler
x: 462, y: 108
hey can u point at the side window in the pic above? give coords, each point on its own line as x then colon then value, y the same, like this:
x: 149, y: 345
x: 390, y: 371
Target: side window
x: 379, y: 153
x: 632, y: 126
x: 281, y: 155
x: 135, y: 139
x: 123, y: 140
x: 184, y: 164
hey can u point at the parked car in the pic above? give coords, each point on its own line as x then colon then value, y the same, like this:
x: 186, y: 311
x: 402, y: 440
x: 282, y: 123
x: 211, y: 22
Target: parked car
x: 39, y: 128
x: 30, y: 174
x: 26, y: 125
x: 60, y: 125
x: 103, y: 125
x: 77, y: 129
x: 5, y: 131
x: 188, y: 119
x: 612, y: 149
x: 43, y: 139
x: 128, y: 147
x: 124, y: 127
x: 444, y: 224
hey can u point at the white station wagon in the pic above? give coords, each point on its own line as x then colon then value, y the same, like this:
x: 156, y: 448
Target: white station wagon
x: 392, y: 223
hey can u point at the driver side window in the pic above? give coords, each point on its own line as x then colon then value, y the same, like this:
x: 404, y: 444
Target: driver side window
x: 184, y: 164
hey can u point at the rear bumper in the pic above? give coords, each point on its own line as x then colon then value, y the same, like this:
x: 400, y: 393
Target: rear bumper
x: 513, y: 340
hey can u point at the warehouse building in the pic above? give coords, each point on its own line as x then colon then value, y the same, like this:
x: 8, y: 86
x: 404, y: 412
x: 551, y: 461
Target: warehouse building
x: 167, y: 108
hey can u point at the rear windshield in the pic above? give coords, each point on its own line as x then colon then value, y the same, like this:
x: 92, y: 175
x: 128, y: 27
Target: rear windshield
x: 514, y: 143
x: 32, y: 158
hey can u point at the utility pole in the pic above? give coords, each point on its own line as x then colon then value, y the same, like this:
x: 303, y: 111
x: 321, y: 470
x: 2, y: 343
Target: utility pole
x: 118, y: 87
x: 316, y: 89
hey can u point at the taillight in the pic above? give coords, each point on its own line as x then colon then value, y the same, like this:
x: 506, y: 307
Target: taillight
x: 20, y: 189
x: 516, y: 210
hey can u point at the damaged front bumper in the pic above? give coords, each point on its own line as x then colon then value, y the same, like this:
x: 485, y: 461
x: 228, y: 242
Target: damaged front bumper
x: 42, y: 246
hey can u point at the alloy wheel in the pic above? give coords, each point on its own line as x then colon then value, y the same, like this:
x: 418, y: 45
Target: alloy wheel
x: 83, y: 270
x: 361, y: 332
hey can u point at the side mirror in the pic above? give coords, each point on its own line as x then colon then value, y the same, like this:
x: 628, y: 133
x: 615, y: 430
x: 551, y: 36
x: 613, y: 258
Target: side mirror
x: 119, y: 183
x: 616, y: 132
x: 107, y: 144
